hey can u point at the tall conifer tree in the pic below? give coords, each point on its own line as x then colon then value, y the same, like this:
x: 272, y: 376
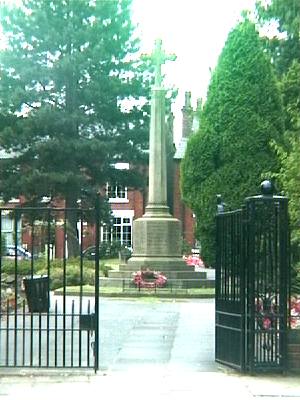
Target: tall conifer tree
x: 231, y: 153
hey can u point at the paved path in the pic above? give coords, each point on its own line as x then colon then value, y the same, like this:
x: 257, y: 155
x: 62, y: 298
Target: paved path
x: 139, y: 334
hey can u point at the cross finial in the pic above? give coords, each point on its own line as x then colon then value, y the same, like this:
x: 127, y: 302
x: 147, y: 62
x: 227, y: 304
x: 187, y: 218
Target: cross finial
x: 159, y: 57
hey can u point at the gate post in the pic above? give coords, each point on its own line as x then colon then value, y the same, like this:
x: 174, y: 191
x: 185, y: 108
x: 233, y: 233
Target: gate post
x: 267, y: 280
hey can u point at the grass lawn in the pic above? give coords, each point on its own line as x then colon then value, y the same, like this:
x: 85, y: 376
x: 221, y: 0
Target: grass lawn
x: 132, y: 292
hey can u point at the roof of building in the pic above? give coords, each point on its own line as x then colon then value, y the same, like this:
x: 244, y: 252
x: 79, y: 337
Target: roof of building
x: 180, y: 151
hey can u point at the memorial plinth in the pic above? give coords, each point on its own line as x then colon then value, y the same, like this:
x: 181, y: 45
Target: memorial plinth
x: 157, y: 244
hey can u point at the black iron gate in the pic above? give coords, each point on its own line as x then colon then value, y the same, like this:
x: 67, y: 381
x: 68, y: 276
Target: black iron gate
x: 230, y: 299
x: 49, y: 300
x: 252, y: 284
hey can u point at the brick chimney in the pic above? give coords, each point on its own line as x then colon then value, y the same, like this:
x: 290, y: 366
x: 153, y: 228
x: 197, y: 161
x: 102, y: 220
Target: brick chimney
x: 187, y: 116
x: 197, y: 114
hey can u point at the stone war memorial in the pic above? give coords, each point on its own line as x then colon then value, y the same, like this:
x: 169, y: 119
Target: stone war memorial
x: 157, y: 237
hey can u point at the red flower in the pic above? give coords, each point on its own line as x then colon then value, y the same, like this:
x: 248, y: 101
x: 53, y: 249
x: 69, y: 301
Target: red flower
x: 267, y: 323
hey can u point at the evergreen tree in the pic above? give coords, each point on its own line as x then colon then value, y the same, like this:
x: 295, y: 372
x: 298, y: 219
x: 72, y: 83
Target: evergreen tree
x: 231, y: 153
x: 70, y: 74
x: 283, y: 47
x: 289, y: 152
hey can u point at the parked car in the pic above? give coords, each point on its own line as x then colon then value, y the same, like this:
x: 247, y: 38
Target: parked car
x: 22, y: 253
x: 107, y: 250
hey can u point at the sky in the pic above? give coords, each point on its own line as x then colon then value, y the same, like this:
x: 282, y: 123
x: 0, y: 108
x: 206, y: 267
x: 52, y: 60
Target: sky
x: 196, y: 31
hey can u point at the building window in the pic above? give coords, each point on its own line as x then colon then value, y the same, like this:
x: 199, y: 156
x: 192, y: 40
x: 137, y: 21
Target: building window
x: 8, y: 229
x: 120, y: 231
x: 116, y: 192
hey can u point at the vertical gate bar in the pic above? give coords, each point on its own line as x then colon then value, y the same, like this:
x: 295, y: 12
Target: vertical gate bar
x: 7, y: 333
x: 72, y: 334
x: 235, y: 261
x: 227, y: 233
x: 40, y: 339
x: 80, y: 287
x: 97, y: 239
x: 88, y: 335
x: 31, y: 339
x: 233, y: 258
x: 23, y: 332
x: 49, y: 277
x: 31, y: 275
x: 16, y: 214
x: 55, y: 334
x: 32, y: 242
x: 65, y: 244
x: 223, y: 261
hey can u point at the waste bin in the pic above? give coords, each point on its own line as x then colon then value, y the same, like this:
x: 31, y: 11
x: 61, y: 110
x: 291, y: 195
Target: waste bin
x: 37, y: 293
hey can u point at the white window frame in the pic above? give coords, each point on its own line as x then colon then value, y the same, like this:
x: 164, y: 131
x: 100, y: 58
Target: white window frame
x: 115, y: 189
x: 9, y: 230
x: 122, y: 214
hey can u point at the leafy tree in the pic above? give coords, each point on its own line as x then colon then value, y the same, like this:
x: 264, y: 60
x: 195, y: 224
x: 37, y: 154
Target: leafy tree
x: 70, y: 99
x: 231, y: 153
x: 289, y: 152
x: 284, y: 47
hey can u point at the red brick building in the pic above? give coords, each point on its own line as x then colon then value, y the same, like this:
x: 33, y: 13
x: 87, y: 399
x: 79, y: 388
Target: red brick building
x: 180, y: 210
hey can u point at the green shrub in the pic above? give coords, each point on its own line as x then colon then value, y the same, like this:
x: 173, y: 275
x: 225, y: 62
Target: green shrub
x: 105, y: 269
x: 74, y: 275
x: 23, y: 267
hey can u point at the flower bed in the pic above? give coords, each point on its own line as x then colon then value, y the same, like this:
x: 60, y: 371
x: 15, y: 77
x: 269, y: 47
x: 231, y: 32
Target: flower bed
x: 149, y: 279
x: 267, y: 312
x: 193, y: 261
x: 295, y: 312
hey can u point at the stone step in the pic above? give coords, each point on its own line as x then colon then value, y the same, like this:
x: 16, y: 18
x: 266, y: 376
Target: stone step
x: 169, y: 274
x: 172, y: 283
x: 165, y: 268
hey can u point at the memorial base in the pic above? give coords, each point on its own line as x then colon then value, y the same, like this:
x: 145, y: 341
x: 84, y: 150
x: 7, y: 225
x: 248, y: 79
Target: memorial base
x: 157, y: 244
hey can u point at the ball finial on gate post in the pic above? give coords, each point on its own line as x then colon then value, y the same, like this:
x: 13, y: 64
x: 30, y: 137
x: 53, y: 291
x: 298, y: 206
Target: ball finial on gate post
x: 220, y: 204
x: 267, y: 188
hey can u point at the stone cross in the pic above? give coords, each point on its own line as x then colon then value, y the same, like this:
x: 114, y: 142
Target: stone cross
x: 159, y: 57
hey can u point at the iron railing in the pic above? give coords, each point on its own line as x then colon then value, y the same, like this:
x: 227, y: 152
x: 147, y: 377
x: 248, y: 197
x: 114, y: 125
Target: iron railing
x: 46, y: 321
